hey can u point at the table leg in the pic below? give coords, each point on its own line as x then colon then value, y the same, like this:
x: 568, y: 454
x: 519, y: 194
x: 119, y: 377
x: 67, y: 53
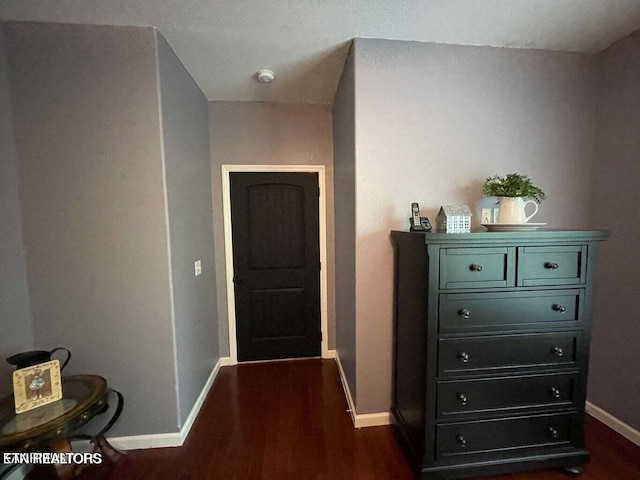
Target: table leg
x: 63, y: 471
x: 99, y: 441
x: 114, y: 455
x: 105, y: 447
x: 115, y: 416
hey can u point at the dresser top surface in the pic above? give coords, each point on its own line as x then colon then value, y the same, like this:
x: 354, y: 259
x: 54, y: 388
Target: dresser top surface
x: 538, y: 236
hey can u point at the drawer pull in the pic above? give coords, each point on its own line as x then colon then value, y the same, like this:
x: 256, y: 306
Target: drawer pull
x: 553, y: 432
x: 462, y: 398
x: 475, y: 267
x: 559, y: 308
x: 463, y: 357
x: 557, y: 351
x: 461, y: 440
x: 551, y: 266
x: 555, y: 392
x: 464, y: 313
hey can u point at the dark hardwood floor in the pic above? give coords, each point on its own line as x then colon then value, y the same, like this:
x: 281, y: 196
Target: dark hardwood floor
x: 289, y: 420
x: 281, y: 420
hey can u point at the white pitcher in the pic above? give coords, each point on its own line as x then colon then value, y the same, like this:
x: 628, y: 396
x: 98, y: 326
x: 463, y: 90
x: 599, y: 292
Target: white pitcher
x: 512, y: 210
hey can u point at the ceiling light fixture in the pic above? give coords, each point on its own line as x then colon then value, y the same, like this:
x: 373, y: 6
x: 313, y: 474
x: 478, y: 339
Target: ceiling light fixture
x: 266, y: 76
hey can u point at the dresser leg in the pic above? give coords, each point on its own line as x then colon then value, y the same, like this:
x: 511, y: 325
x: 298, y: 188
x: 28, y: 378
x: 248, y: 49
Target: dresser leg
x: 574, y: 470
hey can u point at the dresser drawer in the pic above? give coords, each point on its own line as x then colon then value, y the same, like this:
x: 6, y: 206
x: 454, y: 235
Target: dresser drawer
x: 490, y: 435
x: 552, y: 265
x: 477, y: 267
x: 505, y: 394
x: 503, y: 353
x: 469, y: 312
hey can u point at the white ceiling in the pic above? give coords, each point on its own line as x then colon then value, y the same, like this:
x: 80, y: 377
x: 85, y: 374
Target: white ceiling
x: 223, y: 43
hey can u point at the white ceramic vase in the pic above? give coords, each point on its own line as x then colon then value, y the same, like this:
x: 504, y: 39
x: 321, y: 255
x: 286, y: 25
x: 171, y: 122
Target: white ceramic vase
x: 512, y: 210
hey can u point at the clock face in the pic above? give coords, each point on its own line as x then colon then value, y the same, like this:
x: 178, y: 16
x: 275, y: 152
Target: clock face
x: 37, y: 385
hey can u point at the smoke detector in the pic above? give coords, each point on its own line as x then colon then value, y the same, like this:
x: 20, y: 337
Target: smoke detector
x: 266, y: 76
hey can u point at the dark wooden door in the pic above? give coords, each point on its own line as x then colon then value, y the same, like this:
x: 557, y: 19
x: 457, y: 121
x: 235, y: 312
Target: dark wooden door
x: 276, y: 264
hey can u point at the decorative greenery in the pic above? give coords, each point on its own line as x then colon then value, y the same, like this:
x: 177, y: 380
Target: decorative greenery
x: 513, y: 185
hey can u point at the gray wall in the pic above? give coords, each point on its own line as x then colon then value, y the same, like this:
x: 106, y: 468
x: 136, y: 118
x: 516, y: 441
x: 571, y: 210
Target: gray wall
x: 87, y: 131
x: 614, y: 383
x: 185, y: 129
x: 432, y: 121
x: 15, y: 312
x: 344, y: 159
x: 254, y: 133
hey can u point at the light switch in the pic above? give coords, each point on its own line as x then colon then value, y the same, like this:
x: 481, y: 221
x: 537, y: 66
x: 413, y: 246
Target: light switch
x: 487, y: 215
x: 198, y: 267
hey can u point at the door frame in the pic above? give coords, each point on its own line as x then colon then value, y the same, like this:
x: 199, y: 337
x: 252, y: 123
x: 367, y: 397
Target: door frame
x: 228, y: 247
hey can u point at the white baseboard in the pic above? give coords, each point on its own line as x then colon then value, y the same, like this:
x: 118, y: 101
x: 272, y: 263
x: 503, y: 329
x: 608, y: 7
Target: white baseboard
x: 347, y: 392
x: 366, y: 419
x: 613, y: 423
x: 174, y: 439
x: 227, y: 362
x: 372, y: 420
x: 330, y: 354
x: 157, y: 440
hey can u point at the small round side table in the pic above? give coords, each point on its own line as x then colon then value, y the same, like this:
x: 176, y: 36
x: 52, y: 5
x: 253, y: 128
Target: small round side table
x: 83, y: 397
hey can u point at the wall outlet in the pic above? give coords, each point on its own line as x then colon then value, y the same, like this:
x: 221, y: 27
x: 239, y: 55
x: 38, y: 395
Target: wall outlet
x: 198, y: 267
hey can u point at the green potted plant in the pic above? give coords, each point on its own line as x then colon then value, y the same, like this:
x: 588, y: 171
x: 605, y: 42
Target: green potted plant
x: 514, y: 192
x: 512, y: 185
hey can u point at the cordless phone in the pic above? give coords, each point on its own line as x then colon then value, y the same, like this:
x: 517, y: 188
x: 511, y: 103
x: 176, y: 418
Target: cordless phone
x: 418, y: 223
x: 415, y: 215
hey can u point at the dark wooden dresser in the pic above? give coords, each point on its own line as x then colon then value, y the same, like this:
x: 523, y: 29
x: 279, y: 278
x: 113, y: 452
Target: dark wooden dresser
x: 491, y: 350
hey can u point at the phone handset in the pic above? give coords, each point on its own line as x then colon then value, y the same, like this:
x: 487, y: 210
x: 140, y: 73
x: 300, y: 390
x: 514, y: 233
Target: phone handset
x: 418, y: 223
x: 415, y: 216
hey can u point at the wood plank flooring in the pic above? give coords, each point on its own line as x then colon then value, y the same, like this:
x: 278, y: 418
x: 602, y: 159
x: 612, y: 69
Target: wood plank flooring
x: 283, y: 420
x: 289, y: 420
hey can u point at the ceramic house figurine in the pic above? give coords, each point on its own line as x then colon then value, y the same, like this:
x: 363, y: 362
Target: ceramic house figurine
x: 454, y: 219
